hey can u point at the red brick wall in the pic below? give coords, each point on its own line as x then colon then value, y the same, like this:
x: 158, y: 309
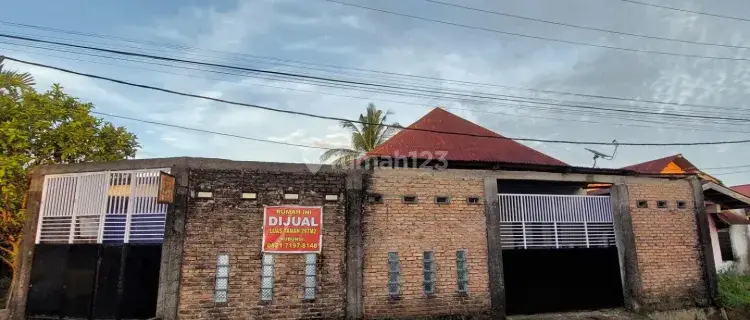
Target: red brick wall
x: 667, y: 247
x: 410, y: 229
x: 227, y: 224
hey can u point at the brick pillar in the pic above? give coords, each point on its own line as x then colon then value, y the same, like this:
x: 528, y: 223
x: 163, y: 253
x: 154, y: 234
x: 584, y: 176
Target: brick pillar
x: 172, y: 248
x: 354, y: 245
x: 632, y: 288
x: 494, y: 249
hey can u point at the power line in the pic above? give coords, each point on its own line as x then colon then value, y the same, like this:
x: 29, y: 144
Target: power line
x: 375, y: 99
x: 311, y: 115
x: 728, y: 167
x: 538, y: 37
x: 360, y: 83
x: 209, y: 131
x: 687, y: 11
x: 163, y: 45
x: 727, y: 173
x: 584, y: 27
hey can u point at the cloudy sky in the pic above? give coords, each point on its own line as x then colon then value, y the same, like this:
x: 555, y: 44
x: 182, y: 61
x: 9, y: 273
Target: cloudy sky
x: 268, y: 34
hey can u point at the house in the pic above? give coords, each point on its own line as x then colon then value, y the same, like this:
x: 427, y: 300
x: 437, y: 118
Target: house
x: 481, y: 225
x: 727, y: 211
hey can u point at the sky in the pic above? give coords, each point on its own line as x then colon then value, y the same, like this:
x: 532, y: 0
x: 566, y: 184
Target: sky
x: 267, y: 34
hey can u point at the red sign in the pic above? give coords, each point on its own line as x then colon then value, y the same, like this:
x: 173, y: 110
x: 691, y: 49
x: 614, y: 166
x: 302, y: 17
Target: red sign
x: 292, y: 229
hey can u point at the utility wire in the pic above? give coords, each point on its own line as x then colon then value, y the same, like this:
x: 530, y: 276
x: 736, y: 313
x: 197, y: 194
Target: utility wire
x: 584, y: 27
x: 311, y: 115
x: 727, y: 173
x: 295, y: 64
x: 360, y: 83
x: 558, y: 119
x: 696, y: 56
x: 208, y: 131
x: 687, y: 11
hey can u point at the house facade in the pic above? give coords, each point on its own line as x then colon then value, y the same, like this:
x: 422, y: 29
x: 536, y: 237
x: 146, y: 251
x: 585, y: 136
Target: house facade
x: 727, y: 211
x: 476, y: 232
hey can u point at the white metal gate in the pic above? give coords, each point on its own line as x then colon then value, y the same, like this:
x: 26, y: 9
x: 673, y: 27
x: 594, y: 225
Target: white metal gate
x: 102, y: 207
x: 555, y: 221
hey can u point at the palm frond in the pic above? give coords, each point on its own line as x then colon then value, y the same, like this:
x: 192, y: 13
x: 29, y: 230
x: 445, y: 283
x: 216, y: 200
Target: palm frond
x: 343, y: 156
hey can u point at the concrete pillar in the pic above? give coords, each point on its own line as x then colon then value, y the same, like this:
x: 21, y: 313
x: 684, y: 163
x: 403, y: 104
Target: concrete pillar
x: 704, y: 241
x: 632, y: 286
x: 170, y: 273
x: 494, y: 249
x: 19, y: 288
x: 355, y: 196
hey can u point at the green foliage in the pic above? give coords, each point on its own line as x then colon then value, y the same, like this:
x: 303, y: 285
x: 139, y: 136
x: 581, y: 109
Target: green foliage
x: 365, y: 137
x: 734, y: 290
x: 40, y: 129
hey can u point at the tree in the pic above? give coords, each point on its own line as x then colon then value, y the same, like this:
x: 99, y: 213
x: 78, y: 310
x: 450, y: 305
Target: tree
x: 41, y: 129
x: 365, y: 137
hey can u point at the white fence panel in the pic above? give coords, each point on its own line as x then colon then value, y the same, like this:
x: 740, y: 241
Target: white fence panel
x: 530, y: 221
x: 112, y: 207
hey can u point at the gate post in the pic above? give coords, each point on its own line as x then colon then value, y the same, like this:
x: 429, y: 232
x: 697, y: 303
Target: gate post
x: 170, y: 271
x: 21, y: 275
x: 494, y: 248
x: 632, y: 286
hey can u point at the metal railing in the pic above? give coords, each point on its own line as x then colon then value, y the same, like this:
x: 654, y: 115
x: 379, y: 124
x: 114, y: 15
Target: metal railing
x: 102, y: 207
x: 555, y: 221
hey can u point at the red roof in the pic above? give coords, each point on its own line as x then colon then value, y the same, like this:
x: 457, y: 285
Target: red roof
x: 459, y: 147
x: 656, y: 166
x: 743, y: 189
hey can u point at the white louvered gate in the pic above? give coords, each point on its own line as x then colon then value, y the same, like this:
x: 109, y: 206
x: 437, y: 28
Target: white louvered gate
x: 102, y: 207
x: 530, y: 221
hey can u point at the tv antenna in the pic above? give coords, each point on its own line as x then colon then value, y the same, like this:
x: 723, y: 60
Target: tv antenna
x: 602, y: 155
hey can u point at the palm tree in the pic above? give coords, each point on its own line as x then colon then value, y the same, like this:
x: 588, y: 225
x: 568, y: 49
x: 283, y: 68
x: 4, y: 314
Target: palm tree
x: 365, y: 137
x: 13, y: 78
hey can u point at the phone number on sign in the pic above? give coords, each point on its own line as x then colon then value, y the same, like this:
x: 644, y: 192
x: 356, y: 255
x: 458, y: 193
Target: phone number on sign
x: 297, y: 245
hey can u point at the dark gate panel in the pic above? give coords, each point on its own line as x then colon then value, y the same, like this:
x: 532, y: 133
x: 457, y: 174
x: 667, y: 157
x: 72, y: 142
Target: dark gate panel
x: 80, y: 274
x: 106, y: 297
x: 141, y: 281
x: 46, y: 282
x: 91, y: 281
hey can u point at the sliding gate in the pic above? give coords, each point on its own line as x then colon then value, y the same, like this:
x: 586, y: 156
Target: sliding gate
x: 98, y: 246
x: 559, y: 253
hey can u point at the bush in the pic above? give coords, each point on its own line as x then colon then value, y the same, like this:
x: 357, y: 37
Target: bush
x: 734, y: 290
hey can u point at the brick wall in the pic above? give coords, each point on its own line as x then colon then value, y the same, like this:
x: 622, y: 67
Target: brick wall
x: 667, y: 247
x: 410, y: 229
x: 226, y: 224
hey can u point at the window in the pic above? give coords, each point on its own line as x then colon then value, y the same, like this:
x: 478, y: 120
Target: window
x: 681, y: 204
x: 462, y: 272
x: 222, y: 278
x: 310, y: 281
x: 266, y: 281
x: 472, y: 200
x: 661, y: 204
x: 410, y: 198
x: 642, y: 204
x: 375, y: 198
x: 428, y: 269
x: 725, y: 245
x: 394, y: 277
x: 442, y: 199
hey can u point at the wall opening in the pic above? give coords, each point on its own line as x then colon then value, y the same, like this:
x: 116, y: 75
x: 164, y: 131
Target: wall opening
x: 558, y: 280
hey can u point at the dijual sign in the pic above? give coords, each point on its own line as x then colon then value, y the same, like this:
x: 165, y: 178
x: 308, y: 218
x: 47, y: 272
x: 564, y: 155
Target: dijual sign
x: 292, y: 229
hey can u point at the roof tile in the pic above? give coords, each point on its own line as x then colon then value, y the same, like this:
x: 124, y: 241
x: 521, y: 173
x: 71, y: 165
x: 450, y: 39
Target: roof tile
x: 459, y: 147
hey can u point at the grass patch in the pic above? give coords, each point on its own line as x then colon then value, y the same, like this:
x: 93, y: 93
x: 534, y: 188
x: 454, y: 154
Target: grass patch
x: 734, y: 290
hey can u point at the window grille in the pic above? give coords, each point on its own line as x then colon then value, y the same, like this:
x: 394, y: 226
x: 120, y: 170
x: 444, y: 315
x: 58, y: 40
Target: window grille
x: 394, y: 277
x: 102, y: 207
x: 428, y: 270
x: 529, y: 221
x: 725, y: 245
x: 267, y: 278
x: 311, y: 260
x: 222, y: 278
x: 462, y: 275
